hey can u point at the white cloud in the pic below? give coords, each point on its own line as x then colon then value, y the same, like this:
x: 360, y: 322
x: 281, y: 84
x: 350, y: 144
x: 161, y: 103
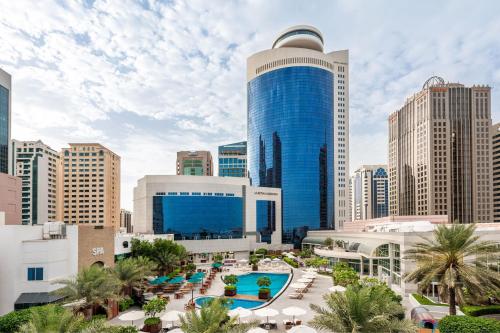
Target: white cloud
x: 172, y: 77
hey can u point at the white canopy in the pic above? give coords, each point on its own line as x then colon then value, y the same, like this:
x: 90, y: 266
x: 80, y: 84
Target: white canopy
x: 302, y: 329
x: 337, y: 288
x: 240, y: 312
x: 294, y: 311
x: 266, y: 312
x: 173, y: 315
x: 243, y: 260
x: 132, y: 315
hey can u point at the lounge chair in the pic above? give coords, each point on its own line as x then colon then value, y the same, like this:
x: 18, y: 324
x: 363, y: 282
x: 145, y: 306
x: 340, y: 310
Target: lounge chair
x: 296, y: 296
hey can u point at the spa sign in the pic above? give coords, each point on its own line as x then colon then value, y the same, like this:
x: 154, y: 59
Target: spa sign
x: 97, y: 251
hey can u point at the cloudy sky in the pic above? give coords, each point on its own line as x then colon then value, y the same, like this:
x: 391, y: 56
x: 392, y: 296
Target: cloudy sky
x: 148, y: 78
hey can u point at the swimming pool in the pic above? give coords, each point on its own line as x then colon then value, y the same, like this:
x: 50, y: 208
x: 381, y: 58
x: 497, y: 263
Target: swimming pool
x: 235, y: 302
x: 247, y: 283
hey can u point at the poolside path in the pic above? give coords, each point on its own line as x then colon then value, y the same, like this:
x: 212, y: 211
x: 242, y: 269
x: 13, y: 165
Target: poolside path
x: 315, y: 296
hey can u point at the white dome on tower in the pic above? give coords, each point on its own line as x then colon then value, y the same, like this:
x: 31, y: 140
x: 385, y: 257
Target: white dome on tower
x: 301, y: 36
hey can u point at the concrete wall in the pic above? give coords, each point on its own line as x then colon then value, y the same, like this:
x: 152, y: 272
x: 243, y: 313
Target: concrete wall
x: 10, y: 198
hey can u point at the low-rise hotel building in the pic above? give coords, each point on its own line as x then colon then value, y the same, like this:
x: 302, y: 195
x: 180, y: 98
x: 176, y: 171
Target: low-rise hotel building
x: 209, y: 214
x: 376, y: 248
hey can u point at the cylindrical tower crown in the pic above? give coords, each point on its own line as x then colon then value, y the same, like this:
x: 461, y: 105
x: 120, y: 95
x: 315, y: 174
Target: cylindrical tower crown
x: 301, y: 36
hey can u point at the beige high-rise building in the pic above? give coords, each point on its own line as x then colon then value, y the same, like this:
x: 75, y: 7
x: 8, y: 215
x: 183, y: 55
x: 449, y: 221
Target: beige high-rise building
x: 495, y: 170
x: 90, y: 185
x: 440, y: 154
x: 195, y: 163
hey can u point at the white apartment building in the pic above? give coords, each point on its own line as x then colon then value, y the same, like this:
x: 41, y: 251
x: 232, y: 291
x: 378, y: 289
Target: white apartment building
x: 369, y: 192
x: 36, y: 164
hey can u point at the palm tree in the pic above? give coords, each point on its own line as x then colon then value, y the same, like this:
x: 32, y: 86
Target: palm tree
x: 129, y: 273
x: 52, y: 318
x: 361, y: 309
x: 456, y: 259
x: 94, y: 285
x: 146, y: 265
x: 213, y: 318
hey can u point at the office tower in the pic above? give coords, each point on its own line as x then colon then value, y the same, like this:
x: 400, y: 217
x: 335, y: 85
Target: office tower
x: 5, y: 120
x: 126, y: 220
x: 439, y: 153
x: 90, y: 181
x: 195, y: 163
x: 298, y: 129
x: 495, y: 170
x: 233, y: 160
x: 369, y: 192
x: 36, y: 164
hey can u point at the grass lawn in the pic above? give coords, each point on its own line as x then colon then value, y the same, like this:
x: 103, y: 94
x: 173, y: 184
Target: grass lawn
x: 480, y: 310
x: 425, y: 301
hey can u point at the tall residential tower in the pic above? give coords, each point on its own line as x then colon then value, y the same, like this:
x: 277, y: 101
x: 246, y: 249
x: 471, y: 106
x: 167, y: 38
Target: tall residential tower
x: 233, y: 160
x: 36, y: 164
x: 495, y: 170
x: 5, y: 120
x: 298, y: 129
x: 90, y: 182
x: 369, y: 192
x: 440, y: 153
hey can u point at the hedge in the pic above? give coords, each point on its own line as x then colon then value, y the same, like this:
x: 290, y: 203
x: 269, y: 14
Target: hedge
x: 466, y: 324
x: 480, y: 310
x: 291, y: 262
x: 13, y: 320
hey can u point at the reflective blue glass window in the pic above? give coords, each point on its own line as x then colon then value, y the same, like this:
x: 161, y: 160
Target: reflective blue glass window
x: 198, y: 217
x: 4, y: 129
x: 290, y: 144
x: 266, y: 219
x: 35, y: 273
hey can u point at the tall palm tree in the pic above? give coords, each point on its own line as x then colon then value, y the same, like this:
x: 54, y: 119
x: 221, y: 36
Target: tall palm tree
x: 146, y: 265
x: 213, y: 318
x: 361, y: 309
x: 54, y: 319
x: 94, y: 285
x: 456, y: 259
x: 129, y: 274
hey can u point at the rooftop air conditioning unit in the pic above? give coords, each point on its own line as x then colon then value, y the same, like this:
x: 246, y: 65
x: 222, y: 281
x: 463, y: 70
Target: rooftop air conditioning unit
x: 54, y: 230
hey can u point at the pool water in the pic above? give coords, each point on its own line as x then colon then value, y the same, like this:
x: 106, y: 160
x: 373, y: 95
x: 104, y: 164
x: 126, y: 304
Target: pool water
x: 244, y: 303
x: 247, y: 283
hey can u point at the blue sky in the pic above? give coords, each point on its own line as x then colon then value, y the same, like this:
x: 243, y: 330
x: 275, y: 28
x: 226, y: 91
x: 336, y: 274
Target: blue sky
x: 148, y: 78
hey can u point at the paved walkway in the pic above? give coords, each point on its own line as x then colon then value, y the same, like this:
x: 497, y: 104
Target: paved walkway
x: 315, y: 295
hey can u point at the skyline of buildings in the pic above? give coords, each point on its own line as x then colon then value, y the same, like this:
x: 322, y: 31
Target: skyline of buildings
x: 194, y: 163
x: 369, y: 192
x: 440, y: 154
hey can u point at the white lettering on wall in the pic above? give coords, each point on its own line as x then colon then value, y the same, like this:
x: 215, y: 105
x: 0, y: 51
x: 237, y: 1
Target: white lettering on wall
x: 97, y: 251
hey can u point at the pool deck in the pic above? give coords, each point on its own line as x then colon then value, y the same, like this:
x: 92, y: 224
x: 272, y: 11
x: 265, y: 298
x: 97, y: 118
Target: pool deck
x: 319, y: 288
x: 247, y: 297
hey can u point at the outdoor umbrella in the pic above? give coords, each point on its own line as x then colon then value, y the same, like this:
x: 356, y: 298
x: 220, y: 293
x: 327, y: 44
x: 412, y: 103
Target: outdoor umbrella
x: 337, y: 288
x: 172, y: 316
x: 132, y: 315
x: 243, y: 261
x: 304, y: 280
x: 159, y: 280
x: 266, y: 312
x: 294, y: 311
x: 240, y: 312
x: 176, y: 280
x: 302, y: 329
x: 257, y: 330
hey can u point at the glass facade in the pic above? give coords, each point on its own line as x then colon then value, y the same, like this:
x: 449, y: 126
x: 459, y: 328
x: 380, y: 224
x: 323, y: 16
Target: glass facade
x: 380, y: 197
x: 290, y: 144
x: 198, y: 216
x: 266, y: 219
x: 4, y: 129
x: 232, y: 160
x: 192, y: 167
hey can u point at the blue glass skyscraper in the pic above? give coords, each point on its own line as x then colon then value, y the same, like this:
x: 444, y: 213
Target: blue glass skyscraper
x: 5, y: 85
x: 291, y: 129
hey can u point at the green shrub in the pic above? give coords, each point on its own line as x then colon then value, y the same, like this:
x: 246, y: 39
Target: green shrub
x: 152, y: 321
x: 466, y: 324
x: 425, y: 301
x: 230, y: 287
x: 98, y: 317
x: 291, y: 262
x: 174, y: 273
x: 13, y: 320
x: 480, y: 310
x: 230, y: 279
x: 125, y: 303
x: 261, y: 251
x: 344, y: 274
x: 154, y: 306
x: 127, y: 329
x: 264, y: 290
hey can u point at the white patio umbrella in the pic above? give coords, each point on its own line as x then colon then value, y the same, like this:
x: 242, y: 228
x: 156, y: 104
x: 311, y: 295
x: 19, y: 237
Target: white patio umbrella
x: 132, y: 315
x: 302, y: 329
x: 294, y: 311
x: 337, y: 288
x: 276, y: 259
x: 266, y: 260
x: 266, y: 312
x: 257, y: 330
x: 304, y: 280
x: 243, y: 261
x: 176, y: 330
x: 298, y: 285
x: 240, y: 312
x: 172, y: 316
x: 310, y: 274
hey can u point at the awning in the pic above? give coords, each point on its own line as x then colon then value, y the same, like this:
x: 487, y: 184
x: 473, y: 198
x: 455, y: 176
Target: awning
x: 26, y: 300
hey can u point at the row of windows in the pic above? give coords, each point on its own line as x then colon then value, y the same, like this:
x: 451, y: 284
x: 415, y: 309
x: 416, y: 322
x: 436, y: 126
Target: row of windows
x: 217, y: 194
x: 294, y: 60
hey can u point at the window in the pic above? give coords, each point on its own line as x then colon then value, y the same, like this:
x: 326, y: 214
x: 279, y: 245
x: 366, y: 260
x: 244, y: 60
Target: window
x: 35, y: 273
